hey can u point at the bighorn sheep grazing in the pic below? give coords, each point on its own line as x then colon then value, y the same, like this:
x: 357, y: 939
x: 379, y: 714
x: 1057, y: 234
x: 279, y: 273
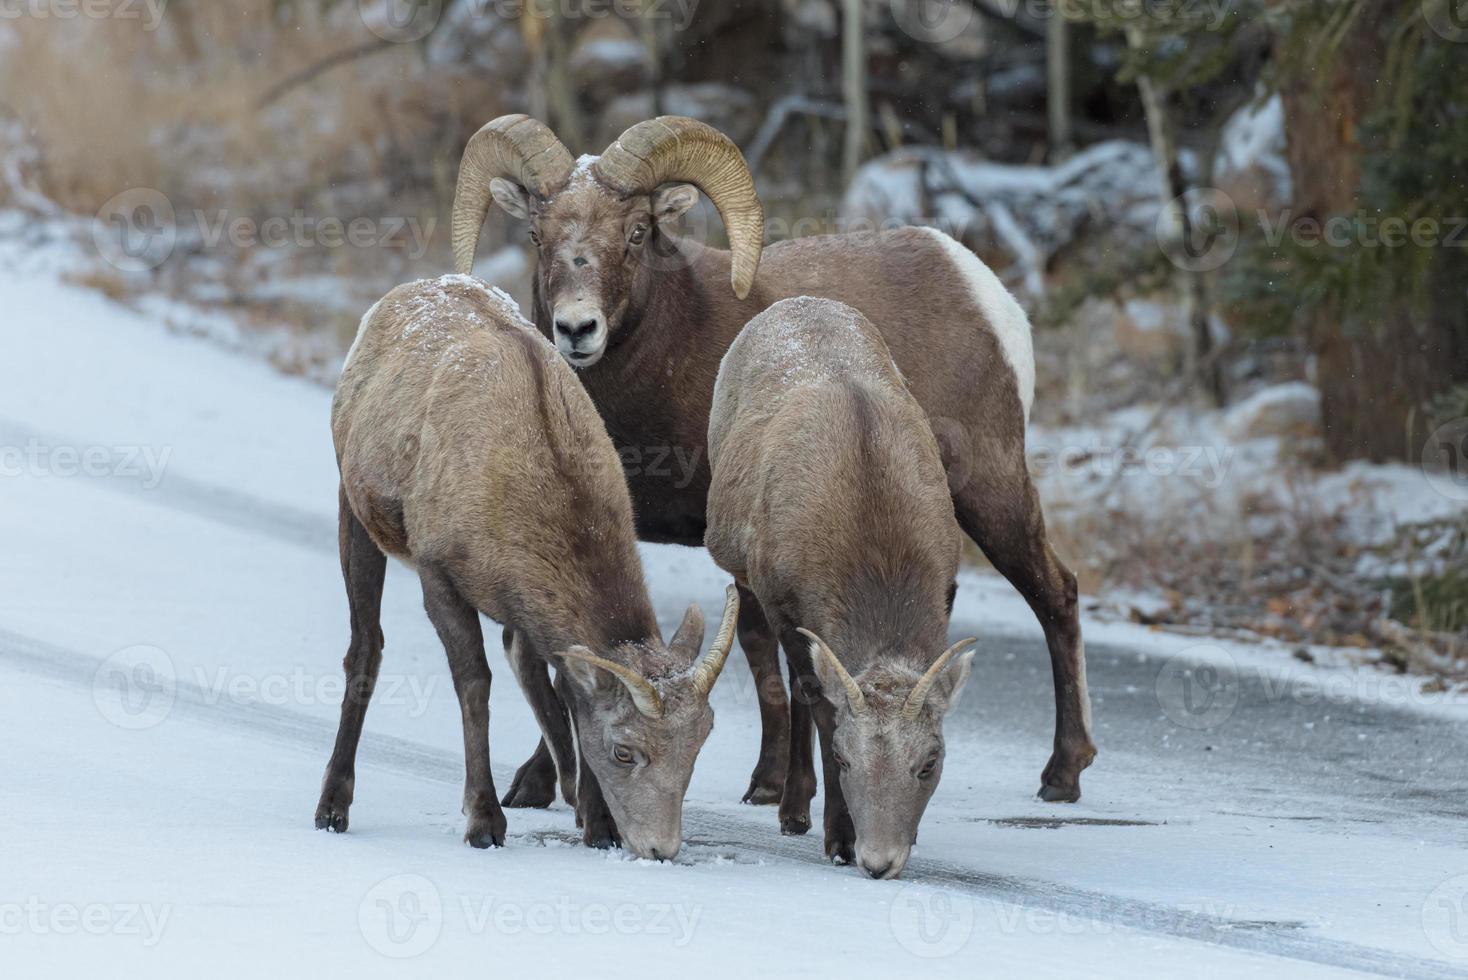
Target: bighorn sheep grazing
x: 647, y: 315
x: 468, y: 450
x: 829, y: 502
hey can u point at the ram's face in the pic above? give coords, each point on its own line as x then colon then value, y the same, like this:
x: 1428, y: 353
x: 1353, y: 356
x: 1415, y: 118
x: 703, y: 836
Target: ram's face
x: 590, y: 243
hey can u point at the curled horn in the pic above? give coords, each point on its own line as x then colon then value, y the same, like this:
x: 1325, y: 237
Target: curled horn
x: 644, y: 695
x: 711, y: 664
x: 919, y: 696
x: 676, y: 148
x: 516, y: 148
x: 854, y: 697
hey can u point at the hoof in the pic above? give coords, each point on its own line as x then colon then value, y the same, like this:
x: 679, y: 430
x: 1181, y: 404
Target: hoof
x: 760, y: 795
x: 765, y: 787
x: 1059, y: 794
x: 794, y: 826
x: 525, y: 796
x: 332, y: 818
x: 487, y: 833
x: 840, y: 850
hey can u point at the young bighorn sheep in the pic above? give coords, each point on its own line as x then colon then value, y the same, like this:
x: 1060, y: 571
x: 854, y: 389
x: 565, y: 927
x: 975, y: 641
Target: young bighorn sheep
x: 647, y: 316
x: 829, y: 503
x: 468, y: 450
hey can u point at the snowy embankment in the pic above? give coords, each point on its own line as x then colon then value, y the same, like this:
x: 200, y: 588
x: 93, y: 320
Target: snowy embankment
x: 171, y: 628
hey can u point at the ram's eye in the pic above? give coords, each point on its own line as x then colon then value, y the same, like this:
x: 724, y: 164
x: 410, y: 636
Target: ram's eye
x: 639, y: 232
x: 623, y: 755
x: 840, y: 760
x: 926, y: 772
x: 535, y: 237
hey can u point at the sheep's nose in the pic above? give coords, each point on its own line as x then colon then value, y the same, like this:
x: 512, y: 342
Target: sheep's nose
x: 876, y: 870
x: 576, y: 331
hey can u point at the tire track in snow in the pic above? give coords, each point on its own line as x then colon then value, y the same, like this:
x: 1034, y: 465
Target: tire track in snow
x: 756, y: 838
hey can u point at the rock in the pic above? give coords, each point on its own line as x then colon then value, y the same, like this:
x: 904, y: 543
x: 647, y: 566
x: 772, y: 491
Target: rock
x: 1285, y: 410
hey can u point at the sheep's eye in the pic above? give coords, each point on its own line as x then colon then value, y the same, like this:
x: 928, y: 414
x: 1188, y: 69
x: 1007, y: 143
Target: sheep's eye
x: 926, y: 772
x: 535, y: 237
x: 623, y: 755
x: 840, y: 760
x: 639, y: 232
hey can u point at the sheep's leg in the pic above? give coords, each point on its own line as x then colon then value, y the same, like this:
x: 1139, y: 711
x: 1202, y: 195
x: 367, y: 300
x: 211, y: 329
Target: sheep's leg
x: 363, y: 569
x: 840, y: 831
x: 800, y: 779
x: 762, y: 651
x: 998, y: 507
x: 598, y: 829
x: 457, y: 623
x: 534, y: 784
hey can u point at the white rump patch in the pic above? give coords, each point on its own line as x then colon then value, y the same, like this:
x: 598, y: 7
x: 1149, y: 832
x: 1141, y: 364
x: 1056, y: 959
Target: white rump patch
x: 1003, y: 312
x: 361, y: 329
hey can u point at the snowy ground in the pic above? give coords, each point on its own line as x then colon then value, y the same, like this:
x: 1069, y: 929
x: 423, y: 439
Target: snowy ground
x: 171, y: 629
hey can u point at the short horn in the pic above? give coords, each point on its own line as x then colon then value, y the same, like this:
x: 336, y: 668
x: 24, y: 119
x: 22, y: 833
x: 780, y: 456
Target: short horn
x: 515, y: 147
x: 919, y: 696
x: 676, y: 148
x: 854, y: 697
x: 644, y: 695
x: 711, y: 664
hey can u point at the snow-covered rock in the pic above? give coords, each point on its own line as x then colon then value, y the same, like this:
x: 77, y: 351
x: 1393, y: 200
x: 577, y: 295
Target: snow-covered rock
x: 1251, y: 166
x: 1016, y: 217
x: 1290, y: 409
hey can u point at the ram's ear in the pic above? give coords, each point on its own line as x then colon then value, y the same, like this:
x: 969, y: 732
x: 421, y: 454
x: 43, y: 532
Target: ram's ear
x: 672, y: 201
x: 510, y: 196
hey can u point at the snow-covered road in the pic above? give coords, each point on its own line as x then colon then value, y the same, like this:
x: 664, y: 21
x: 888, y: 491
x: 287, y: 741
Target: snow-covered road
x: 171, y: 630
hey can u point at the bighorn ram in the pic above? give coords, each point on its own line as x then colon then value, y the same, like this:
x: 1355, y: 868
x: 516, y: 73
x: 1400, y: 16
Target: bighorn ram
x: 829, y: 502
x: 468, y: 450
x: 646, y: 316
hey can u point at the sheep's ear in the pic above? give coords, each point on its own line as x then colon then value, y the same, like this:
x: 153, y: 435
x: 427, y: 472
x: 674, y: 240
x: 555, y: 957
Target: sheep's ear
x: 511, y: 196
x: 674, y: 200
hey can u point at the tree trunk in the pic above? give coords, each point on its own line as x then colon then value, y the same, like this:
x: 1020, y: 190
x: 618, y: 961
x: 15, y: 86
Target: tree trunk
x: 1057, y: 88
x: 854, y: 83
x: 1375, y: 375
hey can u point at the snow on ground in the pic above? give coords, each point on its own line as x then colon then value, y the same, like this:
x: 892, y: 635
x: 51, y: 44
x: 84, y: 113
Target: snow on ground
x: 171, y: 627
